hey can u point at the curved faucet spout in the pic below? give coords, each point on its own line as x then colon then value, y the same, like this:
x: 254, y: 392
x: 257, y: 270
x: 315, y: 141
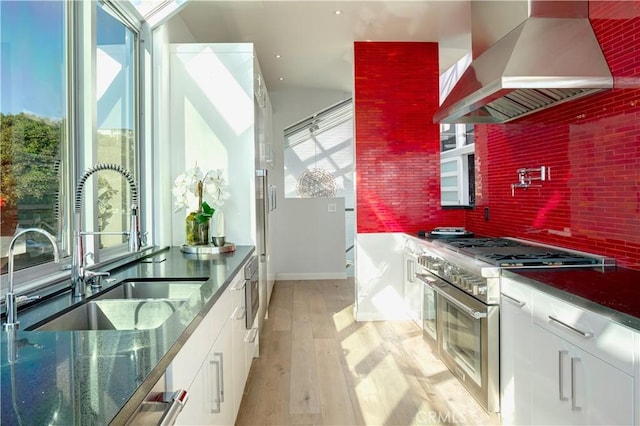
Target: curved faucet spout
x: 11, y: 305
x: 78, y: 272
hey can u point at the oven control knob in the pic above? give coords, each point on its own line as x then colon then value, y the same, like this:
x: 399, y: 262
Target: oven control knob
x: 464, y: 282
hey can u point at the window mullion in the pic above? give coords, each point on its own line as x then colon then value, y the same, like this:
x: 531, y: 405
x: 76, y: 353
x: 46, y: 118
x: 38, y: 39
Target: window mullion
x: 85, y: 115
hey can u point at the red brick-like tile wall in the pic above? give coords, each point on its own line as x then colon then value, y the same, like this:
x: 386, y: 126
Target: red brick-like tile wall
x: 592, y: 201
x: 397, y: 145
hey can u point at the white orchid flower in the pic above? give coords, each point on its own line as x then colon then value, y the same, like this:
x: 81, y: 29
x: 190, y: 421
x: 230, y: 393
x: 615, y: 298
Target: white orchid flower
x: 185, y: 188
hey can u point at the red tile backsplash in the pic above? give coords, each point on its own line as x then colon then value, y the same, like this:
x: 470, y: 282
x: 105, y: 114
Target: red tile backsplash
x: 397, y: 145
x: 592, y: 146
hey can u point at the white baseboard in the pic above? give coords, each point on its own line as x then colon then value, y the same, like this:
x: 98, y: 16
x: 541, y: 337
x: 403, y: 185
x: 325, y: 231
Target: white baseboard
x: 311, y: 276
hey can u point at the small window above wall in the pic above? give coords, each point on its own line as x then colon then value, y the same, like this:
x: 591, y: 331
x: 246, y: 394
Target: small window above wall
x: 457, y: 149
x: 457, y: 165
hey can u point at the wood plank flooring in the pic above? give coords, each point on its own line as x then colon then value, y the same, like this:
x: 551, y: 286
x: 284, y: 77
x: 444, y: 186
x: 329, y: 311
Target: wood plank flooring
x: 318, y: 366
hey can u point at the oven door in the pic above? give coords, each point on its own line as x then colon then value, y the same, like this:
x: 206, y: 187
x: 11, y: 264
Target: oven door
x: 468, y: 333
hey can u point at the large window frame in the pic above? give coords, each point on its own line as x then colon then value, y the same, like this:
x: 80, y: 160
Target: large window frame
x: 81, y: 125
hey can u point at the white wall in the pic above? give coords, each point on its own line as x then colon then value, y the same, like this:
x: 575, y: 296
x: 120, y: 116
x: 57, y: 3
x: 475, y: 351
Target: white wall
x: 212, y: 125
x: 379, y: 277
x: 317, y: 251
x: 295, y: 251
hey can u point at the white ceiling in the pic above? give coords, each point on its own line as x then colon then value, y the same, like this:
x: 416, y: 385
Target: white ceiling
x: 315, y: 44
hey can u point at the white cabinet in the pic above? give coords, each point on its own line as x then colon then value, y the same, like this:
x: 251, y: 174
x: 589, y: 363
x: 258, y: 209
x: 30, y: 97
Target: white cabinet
x: 184, y: 367
x: 515, y: 353
x: 563, y: 364
x: 212, y: 364
x: 243, y: 341
x: 571, y: 386
x: 211, y: 393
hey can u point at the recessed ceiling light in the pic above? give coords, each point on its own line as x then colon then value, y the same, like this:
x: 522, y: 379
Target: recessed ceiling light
x: 338, y: 12
x: 277, y: 56
x: 281, y: 79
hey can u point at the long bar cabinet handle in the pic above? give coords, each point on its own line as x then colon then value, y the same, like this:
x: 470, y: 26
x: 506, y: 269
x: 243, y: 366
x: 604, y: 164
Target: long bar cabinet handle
x: 513, y: 300
x: 585, y: 334
x: 561, y: 375
x: 220, y: 355
x: 574, y: 404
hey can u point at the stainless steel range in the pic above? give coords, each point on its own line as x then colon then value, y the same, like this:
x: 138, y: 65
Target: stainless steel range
x: 462, y: 297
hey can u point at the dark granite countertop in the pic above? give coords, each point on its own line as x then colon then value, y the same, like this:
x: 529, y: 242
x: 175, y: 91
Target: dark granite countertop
x: 100, y: 377
x: 613, y: 292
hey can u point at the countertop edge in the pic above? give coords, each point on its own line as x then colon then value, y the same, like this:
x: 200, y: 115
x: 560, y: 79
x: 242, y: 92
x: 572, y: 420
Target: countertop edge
x: 138, y: 397
x: 613, y: 315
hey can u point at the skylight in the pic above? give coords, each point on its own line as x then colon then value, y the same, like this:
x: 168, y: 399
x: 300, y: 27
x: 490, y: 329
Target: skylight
x: 156, y: 11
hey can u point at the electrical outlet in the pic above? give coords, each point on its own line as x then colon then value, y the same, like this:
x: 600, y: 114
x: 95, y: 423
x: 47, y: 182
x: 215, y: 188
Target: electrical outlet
x: 331, y: 208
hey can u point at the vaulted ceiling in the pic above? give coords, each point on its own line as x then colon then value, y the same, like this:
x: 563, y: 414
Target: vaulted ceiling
x: 315, y: 43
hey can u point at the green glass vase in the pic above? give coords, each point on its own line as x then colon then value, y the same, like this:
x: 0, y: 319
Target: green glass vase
x: 197, y: 232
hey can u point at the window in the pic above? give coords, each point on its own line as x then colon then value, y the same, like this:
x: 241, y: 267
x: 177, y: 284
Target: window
x: 62, y: 113
x: 116, y: 106
x: 318, y: 161
x: 33, y: 125
x: 457, y: 166
x: 318, y: 155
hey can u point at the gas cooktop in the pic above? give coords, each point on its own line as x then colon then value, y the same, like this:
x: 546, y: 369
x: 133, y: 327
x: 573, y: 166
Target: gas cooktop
x: 506, y: 252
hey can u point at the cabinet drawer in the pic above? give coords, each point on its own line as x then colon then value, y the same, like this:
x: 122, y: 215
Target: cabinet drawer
x: 185, y: 365
x: 515, y: 293
x: 591, y: 332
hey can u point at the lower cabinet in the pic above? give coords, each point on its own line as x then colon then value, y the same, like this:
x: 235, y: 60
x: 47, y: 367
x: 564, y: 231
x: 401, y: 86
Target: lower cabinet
x: 563, y: 364
x: 212, y: 365
x: 211, y: 393
x: 242, y: 342
x: 515, y: 353
x: 570, y: 386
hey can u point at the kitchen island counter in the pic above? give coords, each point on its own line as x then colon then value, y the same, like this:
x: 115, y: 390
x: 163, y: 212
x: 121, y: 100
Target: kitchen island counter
x: 613, y: 292
x: 101, y: 377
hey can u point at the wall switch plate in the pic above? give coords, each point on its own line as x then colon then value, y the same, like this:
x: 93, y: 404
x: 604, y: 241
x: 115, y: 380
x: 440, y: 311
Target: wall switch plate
x: 331, y: 208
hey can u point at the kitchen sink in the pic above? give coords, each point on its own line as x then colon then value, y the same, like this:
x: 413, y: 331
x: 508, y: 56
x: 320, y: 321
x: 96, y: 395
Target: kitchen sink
x: 151, y: 290
x: 131, y: 314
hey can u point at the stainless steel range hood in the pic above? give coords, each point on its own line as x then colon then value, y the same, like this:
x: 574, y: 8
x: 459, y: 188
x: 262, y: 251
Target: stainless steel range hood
x: 550, y: 58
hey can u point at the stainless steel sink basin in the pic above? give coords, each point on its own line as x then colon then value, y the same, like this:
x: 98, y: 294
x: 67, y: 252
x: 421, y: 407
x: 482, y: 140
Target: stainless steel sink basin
x: 107, y: 314
x: 151, y: 290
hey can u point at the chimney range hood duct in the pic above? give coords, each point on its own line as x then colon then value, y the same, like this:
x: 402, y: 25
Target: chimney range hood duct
x: 550, y: 58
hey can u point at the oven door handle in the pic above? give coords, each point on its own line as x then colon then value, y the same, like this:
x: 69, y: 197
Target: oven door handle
x: 430, y: 280
x: 439, y: 289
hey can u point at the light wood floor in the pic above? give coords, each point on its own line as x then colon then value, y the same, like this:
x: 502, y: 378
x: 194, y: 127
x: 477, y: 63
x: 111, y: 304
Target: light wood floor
x: 317, y: 366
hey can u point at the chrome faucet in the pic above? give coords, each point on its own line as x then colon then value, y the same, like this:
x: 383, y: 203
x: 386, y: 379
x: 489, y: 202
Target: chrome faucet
x: 80, y: 276
x: 11, y: 300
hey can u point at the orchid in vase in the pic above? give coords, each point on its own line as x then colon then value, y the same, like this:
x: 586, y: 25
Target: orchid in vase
x: 189, y: 189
